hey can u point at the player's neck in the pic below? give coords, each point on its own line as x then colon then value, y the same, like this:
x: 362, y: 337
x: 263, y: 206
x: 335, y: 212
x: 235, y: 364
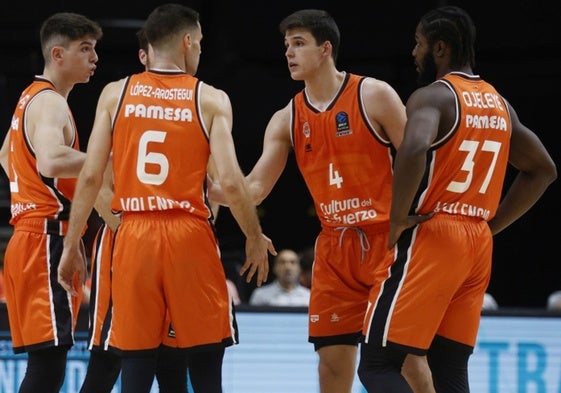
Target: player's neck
x: 324, y: 87
x: 62, y: 87
x: 166, y: 62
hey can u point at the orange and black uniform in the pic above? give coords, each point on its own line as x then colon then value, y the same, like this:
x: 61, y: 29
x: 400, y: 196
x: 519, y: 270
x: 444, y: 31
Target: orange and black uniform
x: 347, y: 166
x: 204, y: 367
x: 104, y: 366
x: 442, y: 267
x: 100, y: 294
x: 41, y: 313
x: 166, y: 258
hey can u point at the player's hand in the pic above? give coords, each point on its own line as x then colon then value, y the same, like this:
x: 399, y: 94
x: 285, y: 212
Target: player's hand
x: 257, y: 258
x: 397, y: 227
x: 72, y: 270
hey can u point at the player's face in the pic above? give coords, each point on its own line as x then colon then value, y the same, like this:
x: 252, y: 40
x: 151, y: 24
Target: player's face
x: 304, y: 56
x: 427, y: 70
x: 78, y: 60
x: 424, y: 59
x: 194, y: 52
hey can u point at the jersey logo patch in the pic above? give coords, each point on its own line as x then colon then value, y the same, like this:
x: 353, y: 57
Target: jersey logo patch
x: 342, y: 124
x: 306, y: 131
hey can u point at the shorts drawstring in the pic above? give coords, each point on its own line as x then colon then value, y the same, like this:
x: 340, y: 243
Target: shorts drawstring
x: 364, y: 243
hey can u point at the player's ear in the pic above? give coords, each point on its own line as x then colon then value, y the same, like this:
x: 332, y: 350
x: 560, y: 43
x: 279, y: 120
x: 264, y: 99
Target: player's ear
x: 187, y: 41
x: 439, y: 48
x: 57, y: 53
x: 327, y: 48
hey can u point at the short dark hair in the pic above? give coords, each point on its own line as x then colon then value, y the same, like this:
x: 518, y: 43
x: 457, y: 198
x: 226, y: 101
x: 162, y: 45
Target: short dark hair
x: 64, y: 27
x: 142, y: 39
x: 169, y: 19
x: 454, y: 26
x: 319, y: 23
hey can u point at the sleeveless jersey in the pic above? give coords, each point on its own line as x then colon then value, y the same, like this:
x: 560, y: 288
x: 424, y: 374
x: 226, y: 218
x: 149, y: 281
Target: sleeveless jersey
x: 160, y: 145
x: 345, y: 162
x: 32, y: 194
x: 41, y: 313
x: 466, y: 167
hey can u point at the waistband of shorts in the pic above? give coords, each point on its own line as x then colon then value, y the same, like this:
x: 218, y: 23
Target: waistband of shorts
x: 457, y: 217
x: 157, y: 214
x: 42, y: 225
x: 369, y: 229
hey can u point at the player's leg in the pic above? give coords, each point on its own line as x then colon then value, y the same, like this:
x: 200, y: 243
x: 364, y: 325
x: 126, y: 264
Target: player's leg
x: 416, y: 371
x: 205, y: 371
x: 45, y: 372
x: 380, y: 369
x: 102, y: 373
x: 336, y: 368
x: 171, y: 371
x: 448, y: 361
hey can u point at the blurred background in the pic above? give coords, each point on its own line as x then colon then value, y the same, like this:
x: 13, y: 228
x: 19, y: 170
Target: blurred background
x: 518, y: 50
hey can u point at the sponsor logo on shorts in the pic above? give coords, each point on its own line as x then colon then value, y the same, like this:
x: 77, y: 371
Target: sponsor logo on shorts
x: 171, y: 331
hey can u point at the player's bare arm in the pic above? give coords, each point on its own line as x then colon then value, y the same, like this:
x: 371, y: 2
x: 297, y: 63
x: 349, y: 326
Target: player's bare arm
x: 217, y: 111
x: 103, y: 201
x: 423, y: 120
x: 385, y: 110
x: 536, y: 172
x: 50, y: 131
x: 4, y: 152
x: 271, y: 163
x: 72, y: 261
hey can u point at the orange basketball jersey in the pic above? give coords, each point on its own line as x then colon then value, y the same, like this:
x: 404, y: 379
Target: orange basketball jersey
x: 347, y: 166
x: 41, y: 313
x: 467, y: 166
x: 165, y: 248
x: 163, y: 146
x: 445, y: 263
x: 345, y: 162
x: 32, y: 194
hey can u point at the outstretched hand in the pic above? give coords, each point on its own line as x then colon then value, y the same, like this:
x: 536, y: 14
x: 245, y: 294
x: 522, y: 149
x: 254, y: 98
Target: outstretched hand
x: 257, y: 259
x: 397, y: 228
x: 72, y: 270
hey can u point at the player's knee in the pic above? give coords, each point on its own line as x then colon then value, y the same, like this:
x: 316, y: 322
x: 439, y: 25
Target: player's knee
x: 337, y: 363
x: 448, y: 361
x: 379, y: 369
x: 417, y: 373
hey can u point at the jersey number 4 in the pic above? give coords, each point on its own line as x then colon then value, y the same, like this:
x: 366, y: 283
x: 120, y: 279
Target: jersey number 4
x: 334, y: 178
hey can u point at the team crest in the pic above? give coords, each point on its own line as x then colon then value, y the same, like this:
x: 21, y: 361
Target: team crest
x: 306, y: 132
